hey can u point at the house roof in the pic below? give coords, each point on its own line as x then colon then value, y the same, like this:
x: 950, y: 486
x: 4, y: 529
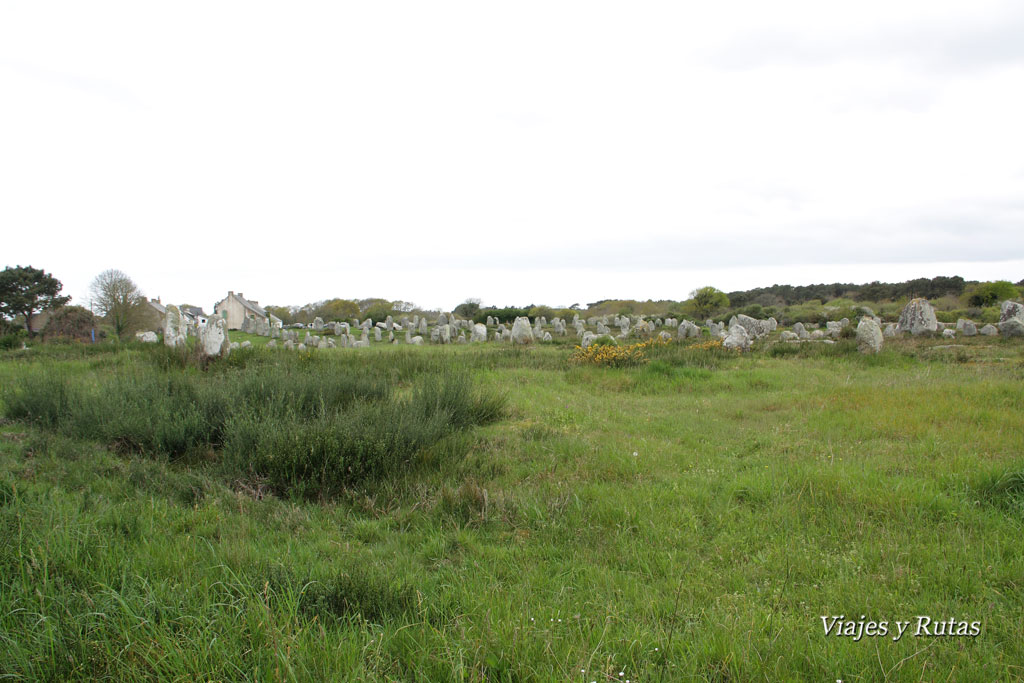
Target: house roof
x: 159, y: 307
x: 194, y: 311
x: 251, y: 306
x: 246, y: 304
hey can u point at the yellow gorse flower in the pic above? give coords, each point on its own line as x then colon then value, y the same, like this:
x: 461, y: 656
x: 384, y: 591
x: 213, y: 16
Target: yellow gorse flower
x: 610, y: 356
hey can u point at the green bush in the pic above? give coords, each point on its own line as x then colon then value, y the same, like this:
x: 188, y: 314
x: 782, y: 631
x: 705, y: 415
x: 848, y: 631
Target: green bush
x: 308, y: 430
x: 504, y: 315
x: 990, y: 293
x: 13, y: 339
x: 753, y: 310
x: 71, y: 323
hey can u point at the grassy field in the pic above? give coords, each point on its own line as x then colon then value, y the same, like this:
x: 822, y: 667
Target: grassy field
x: 496, y: 514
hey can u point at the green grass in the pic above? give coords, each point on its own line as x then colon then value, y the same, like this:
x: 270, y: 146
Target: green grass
x: 691, y: 519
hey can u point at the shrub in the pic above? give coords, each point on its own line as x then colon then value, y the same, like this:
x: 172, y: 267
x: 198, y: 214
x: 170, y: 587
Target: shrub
x: 309, y: 428
x: 707, y: 354
x: 613, y: 355
x: 990, y: 293
x: 71, y: 323
x: 753, y: 310
x: 504, y: 315
x: 13, y: 339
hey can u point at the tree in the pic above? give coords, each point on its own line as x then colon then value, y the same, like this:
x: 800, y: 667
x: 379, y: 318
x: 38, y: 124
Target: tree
x: 468, y: 308
x: 338, y: 309
x: 118, y: 299
x: 707, y: 301
x: 25, y: 291
x: 990, y: 293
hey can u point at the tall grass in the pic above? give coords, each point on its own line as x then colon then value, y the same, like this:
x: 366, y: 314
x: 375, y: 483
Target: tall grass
x: 309, y: 432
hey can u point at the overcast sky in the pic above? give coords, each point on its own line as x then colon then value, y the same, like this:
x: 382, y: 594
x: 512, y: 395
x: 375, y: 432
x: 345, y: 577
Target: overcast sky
x: 546, y: 152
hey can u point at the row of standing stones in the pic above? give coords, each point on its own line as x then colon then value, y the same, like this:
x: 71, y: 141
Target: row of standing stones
x: 917, y: 318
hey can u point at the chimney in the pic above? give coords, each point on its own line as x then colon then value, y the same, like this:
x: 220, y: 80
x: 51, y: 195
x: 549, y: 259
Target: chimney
x: 230, y: 293
x: 241, y: 296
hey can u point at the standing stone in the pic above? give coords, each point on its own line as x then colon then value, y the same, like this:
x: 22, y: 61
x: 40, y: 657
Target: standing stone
x: 376, y: 334
x: 801, y: 331
x: 786, y: 336
x: 1011, y: 309
x: 891, y: 330
x: 737, y: 338
x: 687, y: 330
x: 1011, y: 319
x: 1014, y: 327
x: 479, y: 333
x: 147, y: 337
x: 521, y: 332
x: 989, y: 331
x: 969, y: 329
x: 442, y: 320
x: 949, y: 334
x: 174, y: 327
x: 213, y: 339
x: 869, y: 336
x: 755, y: 328
x: 918, y: 317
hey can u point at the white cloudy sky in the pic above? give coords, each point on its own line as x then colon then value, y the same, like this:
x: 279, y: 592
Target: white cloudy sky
x: 518, y: 152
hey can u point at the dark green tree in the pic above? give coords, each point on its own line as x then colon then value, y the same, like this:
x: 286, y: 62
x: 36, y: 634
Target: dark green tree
x: 468, y: 308
x: 990, y: 293
x: 707, y: 301
x: 25, y: 291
